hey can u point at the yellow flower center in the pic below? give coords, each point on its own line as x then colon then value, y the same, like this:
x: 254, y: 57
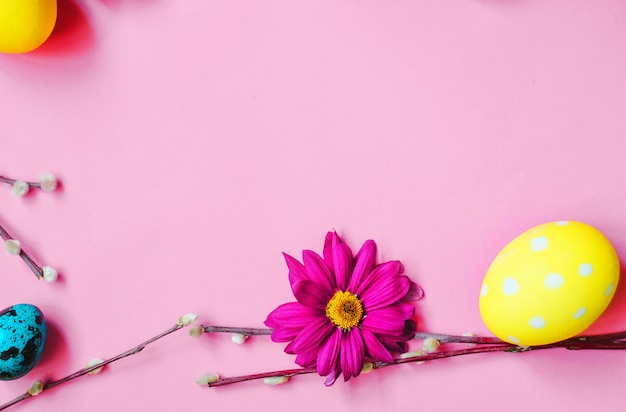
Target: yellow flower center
x: 345, y: 310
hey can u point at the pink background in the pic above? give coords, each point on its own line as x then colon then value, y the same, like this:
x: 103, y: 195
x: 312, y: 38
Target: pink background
x: 197, y: 140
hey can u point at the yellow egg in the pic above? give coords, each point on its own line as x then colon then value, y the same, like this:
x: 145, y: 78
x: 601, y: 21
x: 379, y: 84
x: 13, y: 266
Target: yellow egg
x: 25, y: 24
x: 549, y: 284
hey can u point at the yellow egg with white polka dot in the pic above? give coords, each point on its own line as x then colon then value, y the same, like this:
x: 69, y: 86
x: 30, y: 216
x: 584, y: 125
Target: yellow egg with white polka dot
x: 549, y: 284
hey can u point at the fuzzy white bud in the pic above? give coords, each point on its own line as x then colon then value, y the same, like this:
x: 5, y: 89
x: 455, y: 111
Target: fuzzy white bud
x: 36, y: 388
x: 196, y: 331
x: 208, y: 378
x: 239, y: 338
x: 94, y: 362
x: 276, y: 380
x: 13, y: 246
x: 50, y: 274
x: 187, y: 319
x: 413, y: 354
x: 430, y: 345
x: 48, y: 182
x: 20, y: 188
x: 367, y: 367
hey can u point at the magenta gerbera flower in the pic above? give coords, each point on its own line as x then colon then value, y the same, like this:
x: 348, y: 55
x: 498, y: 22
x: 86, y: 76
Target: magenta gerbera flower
x: 348, y: 310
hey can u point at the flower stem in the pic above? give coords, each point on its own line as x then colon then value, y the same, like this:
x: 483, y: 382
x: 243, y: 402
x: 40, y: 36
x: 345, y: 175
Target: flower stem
x: 442, y: 338
x: 378, y: 365
x: 590, y: 340
x: 243, y: 331
x: 445, y: 338
x: 34, y: 267
x: 487, y: 344
x: 287, y: 372
x: 86, y: 370
x: 448, y: 354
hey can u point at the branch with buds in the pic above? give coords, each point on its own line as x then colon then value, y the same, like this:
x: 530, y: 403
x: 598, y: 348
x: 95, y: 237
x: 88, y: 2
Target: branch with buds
x: 95, y: 365
x: 431, y: 350
x: 48, y: 183
x: 432, y: 345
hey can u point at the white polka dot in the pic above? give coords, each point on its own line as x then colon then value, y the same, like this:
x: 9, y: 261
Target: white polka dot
x: 609, y: 290
x: 483, y: 291
x: 585, y: 269
x: 512, y: 339
x: 580, y: 312
x: 562, y: 223
x: 539, y: 243
x: 537, y: 322
x: 553, y: 281
x: 510, y: 286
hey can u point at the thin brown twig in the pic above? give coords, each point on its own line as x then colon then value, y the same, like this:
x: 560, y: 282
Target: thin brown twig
x: 242, y: 331
x: 287, y: 373
x: 86, y: 370
x: 441, y: 337
x: 33, y: 266
x: 10, y: 181
x: 486, y: 344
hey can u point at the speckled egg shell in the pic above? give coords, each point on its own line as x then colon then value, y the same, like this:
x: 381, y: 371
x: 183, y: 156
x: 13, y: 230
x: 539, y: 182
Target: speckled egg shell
x: 549, y: 284
x: 22, y: 338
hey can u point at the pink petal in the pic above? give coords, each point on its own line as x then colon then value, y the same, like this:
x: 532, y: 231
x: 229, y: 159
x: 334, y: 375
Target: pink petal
x: 393, y: 344
x: 384, y: 270
x: 329, y: 353
x: 284, y: 334
x: 332, y: 377
x: 317, y: 271
x: 343, y: 359
x: 358, y: 351
x: 312, y: 335
x: 389, y: 320
x: 307, y: 359
x: 289, y: 349
x: 294, y: 315
x: 407, y: 334
x: 270, y: 322
x: 343, y: 264
x: 328, y: 249
x: 397, y: 342
x: 296, y: 269
x: 310, y: 294
x: 415, y: 293
x: 374, y: 348
x: 365, y: 260
x: 352, y: 354
x: 385, y: 291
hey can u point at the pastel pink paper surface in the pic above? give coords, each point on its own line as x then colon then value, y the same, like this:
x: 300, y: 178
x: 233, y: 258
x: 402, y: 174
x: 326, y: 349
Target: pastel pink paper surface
x: 198, y: 140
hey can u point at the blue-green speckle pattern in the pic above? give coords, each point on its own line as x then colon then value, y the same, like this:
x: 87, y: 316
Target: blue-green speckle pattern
x: 22, y: 338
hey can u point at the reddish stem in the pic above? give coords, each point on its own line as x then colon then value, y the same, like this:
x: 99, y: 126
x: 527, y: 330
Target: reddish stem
x: 487, y: 344
x: 86, y: 370
x: 286, y: 372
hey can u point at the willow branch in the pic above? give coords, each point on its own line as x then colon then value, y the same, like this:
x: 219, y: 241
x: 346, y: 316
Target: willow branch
x: 34, y: 267
x: 609, y: 341
x: 242, y: 331
x: 87, y: 370
x: 287, y: 373
x: 10, y: 181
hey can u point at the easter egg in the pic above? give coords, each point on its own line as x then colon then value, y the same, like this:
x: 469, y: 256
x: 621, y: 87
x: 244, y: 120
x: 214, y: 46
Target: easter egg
x: 549, y: 284
x: 22, y: 338
x: 25, y: 24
